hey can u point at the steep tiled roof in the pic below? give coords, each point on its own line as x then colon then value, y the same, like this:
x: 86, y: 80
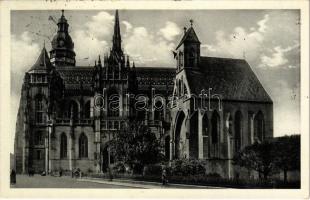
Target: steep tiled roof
x: 232, y: 79
x: 189, y: 36
x: 158, y: 77
x: 43, y: 62
x: 73, y: 76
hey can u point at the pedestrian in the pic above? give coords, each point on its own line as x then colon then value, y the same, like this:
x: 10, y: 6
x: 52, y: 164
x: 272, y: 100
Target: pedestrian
x: 60, y: 173
x: 13, y: 177
x: 164, y: 176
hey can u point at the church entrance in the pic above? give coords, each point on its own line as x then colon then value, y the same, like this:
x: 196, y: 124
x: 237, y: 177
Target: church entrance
x: 106, y: 158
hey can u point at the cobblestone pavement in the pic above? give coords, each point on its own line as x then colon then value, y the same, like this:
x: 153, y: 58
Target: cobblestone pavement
x: 38, y: 181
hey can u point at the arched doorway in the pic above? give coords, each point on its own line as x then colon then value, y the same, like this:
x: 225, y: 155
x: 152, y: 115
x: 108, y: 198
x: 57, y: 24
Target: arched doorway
x: 107, y: 158
x: 238, y: 130
x: 177, y: 133
x: 167, y: 148
x: 259, y: 127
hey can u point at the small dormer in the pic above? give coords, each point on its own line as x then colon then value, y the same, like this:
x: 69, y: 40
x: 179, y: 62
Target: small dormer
x: 188, y: 50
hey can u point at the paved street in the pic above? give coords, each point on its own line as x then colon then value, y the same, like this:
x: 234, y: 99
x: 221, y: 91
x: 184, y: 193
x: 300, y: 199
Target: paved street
x: 38, y: 181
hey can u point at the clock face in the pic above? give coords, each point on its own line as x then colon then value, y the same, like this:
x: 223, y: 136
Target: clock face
x: 61, y: 43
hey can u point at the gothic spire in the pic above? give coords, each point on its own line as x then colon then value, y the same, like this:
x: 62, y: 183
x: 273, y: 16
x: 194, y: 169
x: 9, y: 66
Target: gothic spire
x: 117, y: 40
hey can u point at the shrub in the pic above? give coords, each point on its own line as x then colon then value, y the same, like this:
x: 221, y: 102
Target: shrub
x: 152, y: 170
x: 213, y: 175
x: 119, y: 167
x: 137, y: 168
x: 185, y: 167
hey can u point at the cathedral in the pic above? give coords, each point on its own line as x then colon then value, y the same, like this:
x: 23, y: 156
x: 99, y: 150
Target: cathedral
x: 203, y: 108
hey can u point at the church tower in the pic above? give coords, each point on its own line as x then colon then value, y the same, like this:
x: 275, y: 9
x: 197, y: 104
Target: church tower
x: 188, y: 50
x: 42, y: 84
x: 62, y: 53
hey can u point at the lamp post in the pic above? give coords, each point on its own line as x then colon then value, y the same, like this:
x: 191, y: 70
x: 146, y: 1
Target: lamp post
x: 48, y: 160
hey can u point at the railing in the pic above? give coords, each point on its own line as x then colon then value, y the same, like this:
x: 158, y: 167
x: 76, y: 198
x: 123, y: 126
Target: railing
x: 112, y: 124
x: 66, y: 121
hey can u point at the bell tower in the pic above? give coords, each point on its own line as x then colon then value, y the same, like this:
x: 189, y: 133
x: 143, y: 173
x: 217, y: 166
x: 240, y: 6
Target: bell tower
x: 188, y: 50
x: 62, y: 53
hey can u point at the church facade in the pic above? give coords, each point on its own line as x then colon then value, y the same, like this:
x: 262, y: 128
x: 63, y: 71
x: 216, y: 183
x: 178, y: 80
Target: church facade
x: 205, y: 108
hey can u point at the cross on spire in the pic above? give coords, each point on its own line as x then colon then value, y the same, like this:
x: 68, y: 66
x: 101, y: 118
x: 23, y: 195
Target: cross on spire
x: 191, y: 21
x: 62, y: 12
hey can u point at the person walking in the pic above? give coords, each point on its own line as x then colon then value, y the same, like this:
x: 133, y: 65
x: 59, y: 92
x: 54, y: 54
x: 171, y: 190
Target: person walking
x: 13, y: 177
x: 164, y: 177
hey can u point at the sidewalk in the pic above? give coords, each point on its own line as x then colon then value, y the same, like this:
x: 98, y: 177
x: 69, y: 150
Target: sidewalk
x: 144, y: 184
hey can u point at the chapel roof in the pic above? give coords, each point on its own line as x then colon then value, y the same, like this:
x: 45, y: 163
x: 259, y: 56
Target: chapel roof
x: 232, y: 79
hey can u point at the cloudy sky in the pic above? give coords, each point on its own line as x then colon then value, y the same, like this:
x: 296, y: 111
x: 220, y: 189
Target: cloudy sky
x: 268, y: 39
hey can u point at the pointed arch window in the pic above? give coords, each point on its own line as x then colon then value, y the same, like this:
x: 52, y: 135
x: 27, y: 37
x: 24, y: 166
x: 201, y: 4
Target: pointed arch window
x: 205, y: 136
x: 39, y: 138
x: 83, y: 146
x: 113, y: 103
x: 39, y: 105
x: 63, y: 146
x: 74, y: 107
x: 180, y: 59
x: 215, y: 128
x: 238, y: 130
x: 87, y: 110
x: 215, y: 131
x: 259, y: 127
x: 192, y: 57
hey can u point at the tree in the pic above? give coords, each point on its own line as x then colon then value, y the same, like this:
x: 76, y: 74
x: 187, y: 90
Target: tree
x: 286, y: 152
x: 257, y: 157
x: 136, y: 146
x: 282, y: 153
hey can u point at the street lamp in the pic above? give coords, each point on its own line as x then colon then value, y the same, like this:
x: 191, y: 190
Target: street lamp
x: 47, y: 159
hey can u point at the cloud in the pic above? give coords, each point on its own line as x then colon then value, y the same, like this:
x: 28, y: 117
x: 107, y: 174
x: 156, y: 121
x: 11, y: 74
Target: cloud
x: 278, y: 57
x: 127, y: 25
x: 261, y: 46
x: 170, y: 31
x: 286, y: 108
x: 237, y: 44
x: 95, y: 33
x: 148, y: 49
x: 101, y: 25
x: 144, y: 47
x: 87, y: 54
x: 262, y: 24
x: 22, y: 61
